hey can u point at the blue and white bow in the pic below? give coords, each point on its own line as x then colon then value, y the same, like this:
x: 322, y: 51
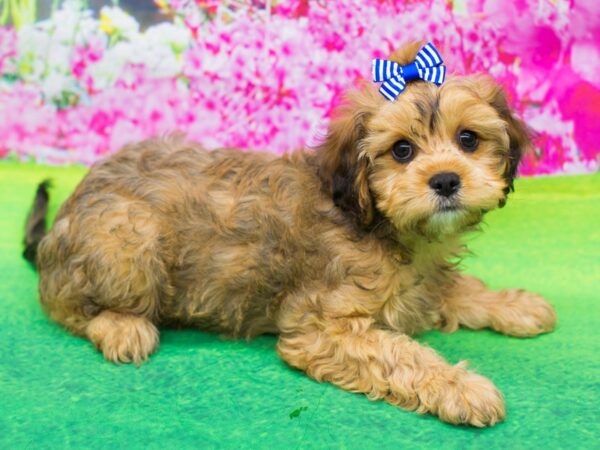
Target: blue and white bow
x: 427, y: 66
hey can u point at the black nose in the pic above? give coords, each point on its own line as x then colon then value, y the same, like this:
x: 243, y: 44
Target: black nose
x: 445, y: 183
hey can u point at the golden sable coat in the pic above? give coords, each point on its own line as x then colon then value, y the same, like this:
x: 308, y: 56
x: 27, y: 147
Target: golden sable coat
x: 344, y: 251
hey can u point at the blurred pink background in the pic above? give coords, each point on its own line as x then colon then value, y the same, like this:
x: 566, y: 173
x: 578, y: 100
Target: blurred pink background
x: 78, y: 80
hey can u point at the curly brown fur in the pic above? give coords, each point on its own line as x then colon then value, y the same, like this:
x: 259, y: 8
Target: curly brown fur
x: 343, y: 251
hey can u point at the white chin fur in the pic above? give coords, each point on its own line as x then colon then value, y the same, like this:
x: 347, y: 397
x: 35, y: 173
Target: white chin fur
x: 446, y: 222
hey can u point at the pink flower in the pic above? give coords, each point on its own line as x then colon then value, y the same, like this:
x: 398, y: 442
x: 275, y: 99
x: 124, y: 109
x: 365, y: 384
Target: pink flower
x: 8, y: 50
x: 581, y: 104
x: 252, y: 79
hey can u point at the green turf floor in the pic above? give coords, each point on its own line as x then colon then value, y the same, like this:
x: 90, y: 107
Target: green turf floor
x: 199, y: 391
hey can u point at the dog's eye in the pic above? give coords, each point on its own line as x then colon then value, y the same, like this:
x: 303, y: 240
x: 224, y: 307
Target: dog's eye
x: 403, y: 151
x: 468, y: 140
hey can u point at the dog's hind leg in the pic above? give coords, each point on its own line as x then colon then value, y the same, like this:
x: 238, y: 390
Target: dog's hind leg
x: 123, y: 337
x: 514, y: 312
x: 103, y: 275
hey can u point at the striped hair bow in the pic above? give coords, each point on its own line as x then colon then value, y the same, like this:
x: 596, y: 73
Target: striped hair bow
x: 427, y: 66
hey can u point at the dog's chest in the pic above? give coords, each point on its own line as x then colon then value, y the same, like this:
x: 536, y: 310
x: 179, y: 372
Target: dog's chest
x: 416, y: 290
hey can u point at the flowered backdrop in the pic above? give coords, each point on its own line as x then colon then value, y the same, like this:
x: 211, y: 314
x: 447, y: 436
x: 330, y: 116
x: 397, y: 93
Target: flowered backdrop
x: 266, y: 74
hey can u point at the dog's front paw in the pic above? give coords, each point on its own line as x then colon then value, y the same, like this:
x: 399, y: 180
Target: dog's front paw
x: 524, y: 314
x: 468, y: 399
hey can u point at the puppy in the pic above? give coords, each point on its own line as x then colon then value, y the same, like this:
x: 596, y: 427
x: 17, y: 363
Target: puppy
x: 344, y: 252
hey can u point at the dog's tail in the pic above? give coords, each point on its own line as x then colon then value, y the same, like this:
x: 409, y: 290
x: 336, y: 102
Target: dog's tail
x: 35, y: 228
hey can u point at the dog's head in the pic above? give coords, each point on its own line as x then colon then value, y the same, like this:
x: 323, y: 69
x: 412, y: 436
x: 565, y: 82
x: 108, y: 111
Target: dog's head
x: 433, y: 161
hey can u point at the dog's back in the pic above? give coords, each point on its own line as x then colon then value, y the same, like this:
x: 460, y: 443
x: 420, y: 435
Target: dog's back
x: 167, y: 230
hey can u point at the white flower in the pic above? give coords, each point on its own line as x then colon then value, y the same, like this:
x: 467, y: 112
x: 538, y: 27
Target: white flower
x: 158, y: 49
x: 113, y: 20
x: 55, y: 84
x: 108, y: 69
x: 45, y: 48
x: 178, y: 37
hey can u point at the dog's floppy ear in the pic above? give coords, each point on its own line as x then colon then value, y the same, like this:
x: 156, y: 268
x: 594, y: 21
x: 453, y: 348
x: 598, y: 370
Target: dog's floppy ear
x: 519, y: 134
x: 342, y: 167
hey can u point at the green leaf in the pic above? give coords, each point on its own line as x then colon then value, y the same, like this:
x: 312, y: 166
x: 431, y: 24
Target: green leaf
x: 296, y: 413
